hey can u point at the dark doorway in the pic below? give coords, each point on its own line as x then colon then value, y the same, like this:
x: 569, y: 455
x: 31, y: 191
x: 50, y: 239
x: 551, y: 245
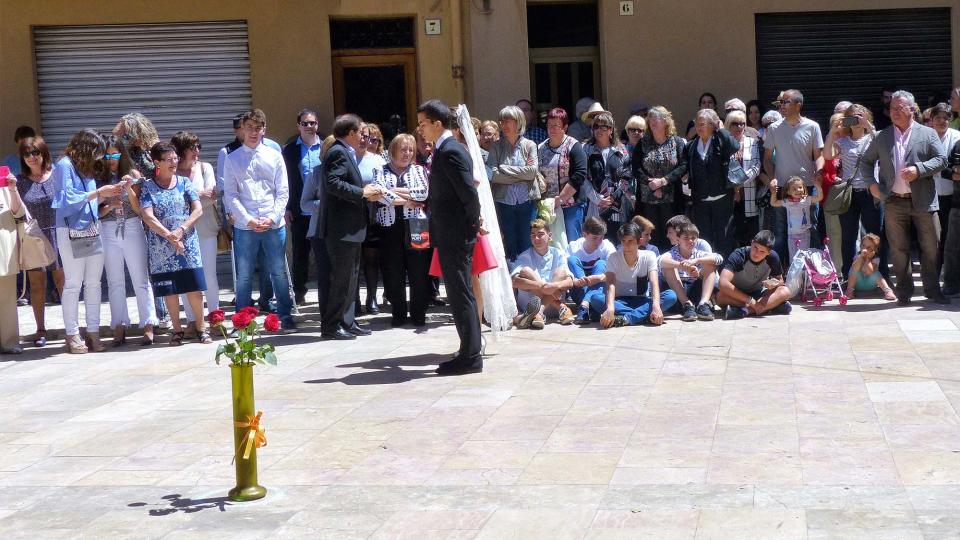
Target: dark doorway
x: 374, y: 72
x: 564, y: 57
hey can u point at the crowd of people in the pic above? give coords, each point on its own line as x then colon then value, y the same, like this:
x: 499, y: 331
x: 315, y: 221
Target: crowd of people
x: 587, y: 222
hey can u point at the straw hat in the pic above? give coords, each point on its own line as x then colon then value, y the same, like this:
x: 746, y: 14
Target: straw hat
x: 594, y: 110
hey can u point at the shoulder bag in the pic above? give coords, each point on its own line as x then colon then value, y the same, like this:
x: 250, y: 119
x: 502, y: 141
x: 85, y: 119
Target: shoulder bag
x: 838, y: 200
x: 86, y: 241
x: 35, y: 250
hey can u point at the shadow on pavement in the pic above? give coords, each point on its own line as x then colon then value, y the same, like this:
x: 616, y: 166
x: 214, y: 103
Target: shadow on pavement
x: 389, y: 370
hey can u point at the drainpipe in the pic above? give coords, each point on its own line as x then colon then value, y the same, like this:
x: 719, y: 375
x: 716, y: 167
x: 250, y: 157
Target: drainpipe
x: 456, y: 35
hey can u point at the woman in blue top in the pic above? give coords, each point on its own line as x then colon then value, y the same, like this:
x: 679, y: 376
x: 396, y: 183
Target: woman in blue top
x: 170, y: 206
x: 76, y: 209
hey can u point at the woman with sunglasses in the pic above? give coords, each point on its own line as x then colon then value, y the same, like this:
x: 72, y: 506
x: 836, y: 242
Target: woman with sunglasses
x: 368, y: 161
x: 610, y: 189
x: 204, y: 182
x: 75, y: 200
x: 37, y: 192
x: 124, y: 245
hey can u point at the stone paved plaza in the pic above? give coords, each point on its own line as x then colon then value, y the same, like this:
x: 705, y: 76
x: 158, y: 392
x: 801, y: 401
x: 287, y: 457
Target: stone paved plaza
x: 829, y: 423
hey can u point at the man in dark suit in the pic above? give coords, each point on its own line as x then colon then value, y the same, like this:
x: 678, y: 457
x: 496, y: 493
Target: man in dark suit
x: 345, y: 227
x: 454, y: 208
x: 909, y: 156
x: 302, y: 156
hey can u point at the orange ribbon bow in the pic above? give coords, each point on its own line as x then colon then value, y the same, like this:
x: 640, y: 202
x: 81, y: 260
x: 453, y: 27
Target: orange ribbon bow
x: 255, y: 436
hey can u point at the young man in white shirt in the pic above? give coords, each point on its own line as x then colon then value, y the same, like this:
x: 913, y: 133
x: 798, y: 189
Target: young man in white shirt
x: 255, y: 194
x: 541, y: 277
x: 632, y: 294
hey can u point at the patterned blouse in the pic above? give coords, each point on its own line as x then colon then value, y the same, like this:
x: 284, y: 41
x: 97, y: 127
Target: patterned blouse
x: 652, y: 160
x: 171, y: 206
x: 38, y: 196
x: 414, y: 178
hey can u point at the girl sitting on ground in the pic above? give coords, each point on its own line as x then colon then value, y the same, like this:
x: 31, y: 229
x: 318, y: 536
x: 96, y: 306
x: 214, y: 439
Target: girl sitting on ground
x: 864, y: 272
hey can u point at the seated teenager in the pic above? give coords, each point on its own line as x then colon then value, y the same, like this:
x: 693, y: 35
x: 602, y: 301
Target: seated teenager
x: 588, y: 262
x: 646, y: 228
x: 674, y: 224
x: 541, y: 277
x: 751, y: 282
x: 692, y: 274
x: 632, y: 294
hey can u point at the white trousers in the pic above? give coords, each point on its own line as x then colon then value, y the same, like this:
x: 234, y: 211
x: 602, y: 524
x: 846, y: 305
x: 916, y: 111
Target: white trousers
x: 208, y: 258
x: 79, y: 273
x: 129, y: 250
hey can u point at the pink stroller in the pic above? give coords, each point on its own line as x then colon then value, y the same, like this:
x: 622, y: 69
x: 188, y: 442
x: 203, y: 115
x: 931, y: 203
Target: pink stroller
x: 813, y: 275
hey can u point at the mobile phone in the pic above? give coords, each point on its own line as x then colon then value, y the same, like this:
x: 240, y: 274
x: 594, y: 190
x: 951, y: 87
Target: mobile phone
x: 4, y: 171
x: 850, y: 121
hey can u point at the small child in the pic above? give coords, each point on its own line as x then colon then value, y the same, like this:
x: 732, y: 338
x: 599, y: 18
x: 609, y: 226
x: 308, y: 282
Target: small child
x: 798, y: 205
x: 864, y: 275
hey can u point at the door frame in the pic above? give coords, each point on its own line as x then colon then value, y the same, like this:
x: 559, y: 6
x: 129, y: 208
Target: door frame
x: 555, y: 55
x: 406, y: 58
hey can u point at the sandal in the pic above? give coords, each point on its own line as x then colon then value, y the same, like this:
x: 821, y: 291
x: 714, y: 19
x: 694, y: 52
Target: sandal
x: 204, y: 337
x: 93, y: 342
x: 119, y: 336
x: 40, y: 338
x: 75, y: 345
x: 176, y: 339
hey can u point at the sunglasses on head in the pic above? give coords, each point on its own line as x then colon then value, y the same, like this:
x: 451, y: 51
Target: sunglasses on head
x: 112, y: 157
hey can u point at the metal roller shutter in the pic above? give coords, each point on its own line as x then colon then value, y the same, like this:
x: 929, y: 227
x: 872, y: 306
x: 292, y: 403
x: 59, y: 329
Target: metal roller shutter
x: 837, y: 55
x: 183, y: 76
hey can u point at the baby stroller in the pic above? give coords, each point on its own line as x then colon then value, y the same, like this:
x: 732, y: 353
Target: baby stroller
x: 813, y: 276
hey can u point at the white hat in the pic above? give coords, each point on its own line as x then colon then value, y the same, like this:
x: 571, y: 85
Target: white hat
x: 594, y: 110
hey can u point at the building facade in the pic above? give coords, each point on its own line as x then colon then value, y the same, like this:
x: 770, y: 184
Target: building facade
x: 192, y: 65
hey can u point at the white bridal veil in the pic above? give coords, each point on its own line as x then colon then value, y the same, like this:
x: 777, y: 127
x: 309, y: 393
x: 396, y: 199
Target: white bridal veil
x: 499, y: 305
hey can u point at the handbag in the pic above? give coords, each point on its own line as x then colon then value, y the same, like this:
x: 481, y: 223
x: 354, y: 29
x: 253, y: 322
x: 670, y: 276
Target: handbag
x: 86, y: 241
x: 35, y: 250
x: 736, y: 176
x: 224, y: 236
x: 416, y: 234
x: 838, y: 199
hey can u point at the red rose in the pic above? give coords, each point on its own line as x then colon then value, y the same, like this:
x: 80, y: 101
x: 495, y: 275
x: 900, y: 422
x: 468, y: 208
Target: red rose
x: 250, y: 310
x: 271, y: 323
x: 241, y: 320
x: 216, y: 317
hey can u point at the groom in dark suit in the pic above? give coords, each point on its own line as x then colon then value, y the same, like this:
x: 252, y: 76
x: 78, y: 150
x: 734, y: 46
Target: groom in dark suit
x: 344, y: 227
x: 454, y: 210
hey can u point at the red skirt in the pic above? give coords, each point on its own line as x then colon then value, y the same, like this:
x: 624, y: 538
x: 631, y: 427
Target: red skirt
x: 483, y: 258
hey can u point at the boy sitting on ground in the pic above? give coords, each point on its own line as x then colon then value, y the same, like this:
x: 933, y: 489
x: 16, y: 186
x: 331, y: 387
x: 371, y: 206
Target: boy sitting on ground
x: 541, y: 277
x: 632, y: 294
x: 588, y: 262
x: 751, y: 282
x: 691, y: 274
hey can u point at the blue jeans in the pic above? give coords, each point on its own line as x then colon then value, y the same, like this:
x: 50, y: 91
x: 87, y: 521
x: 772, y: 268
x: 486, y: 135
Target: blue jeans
x: 247, y: 245
x: 576, y: 269
x: 515, y: 226
x: 636, y: 309
x: 573, y: 220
